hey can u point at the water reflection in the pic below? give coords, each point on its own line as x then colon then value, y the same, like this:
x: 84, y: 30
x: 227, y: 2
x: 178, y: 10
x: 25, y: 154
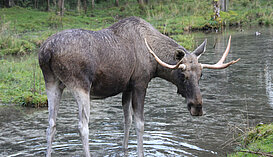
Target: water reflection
x: 268, y: 82
x: 231, y: 96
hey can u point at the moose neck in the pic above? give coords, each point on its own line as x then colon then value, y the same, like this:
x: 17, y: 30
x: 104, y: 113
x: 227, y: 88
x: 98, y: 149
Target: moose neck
x: 167, y: 74
x: 164, y: 48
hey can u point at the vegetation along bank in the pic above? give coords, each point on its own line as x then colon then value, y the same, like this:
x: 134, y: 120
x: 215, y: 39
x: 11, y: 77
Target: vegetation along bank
x: 255, y: 142
x: 24, y: 25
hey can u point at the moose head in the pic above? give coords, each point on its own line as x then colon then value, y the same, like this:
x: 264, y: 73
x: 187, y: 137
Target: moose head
x: 188, y: 71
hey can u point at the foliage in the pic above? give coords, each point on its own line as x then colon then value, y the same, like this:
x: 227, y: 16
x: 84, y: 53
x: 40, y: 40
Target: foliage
x: 250, y: 12
x: 23, y: 29
x: 256, y: 142
x: 21, y: 81
x: 13, y: 45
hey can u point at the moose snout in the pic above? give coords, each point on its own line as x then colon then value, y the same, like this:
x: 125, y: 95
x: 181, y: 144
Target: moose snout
x: 195, y: 109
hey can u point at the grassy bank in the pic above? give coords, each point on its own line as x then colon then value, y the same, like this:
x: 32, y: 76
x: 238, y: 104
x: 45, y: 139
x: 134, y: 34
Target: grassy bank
x: 256, y: 142
x: 23, y: 30
x: 21, y: 81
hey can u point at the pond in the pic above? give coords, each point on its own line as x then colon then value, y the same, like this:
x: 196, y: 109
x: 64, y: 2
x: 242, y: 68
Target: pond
x: 234, y: 99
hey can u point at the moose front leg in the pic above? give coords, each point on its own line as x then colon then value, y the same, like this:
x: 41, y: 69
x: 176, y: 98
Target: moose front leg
x: 138, y: 108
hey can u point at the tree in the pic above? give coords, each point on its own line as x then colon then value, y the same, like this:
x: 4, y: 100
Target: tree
x: 216, y: 9
x: 61, y: 7
x: 117, y: 3
x: 54, y: 4
x: 47, y: 6
x: 93, y: 4
x: 9, y: 3
x: 141, y: 4
x: 224, y: 5
x: 84, y: 6
x: 79, y: 6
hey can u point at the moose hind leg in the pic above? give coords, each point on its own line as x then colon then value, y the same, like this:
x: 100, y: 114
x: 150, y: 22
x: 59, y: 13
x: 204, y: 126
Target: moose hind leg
x: 126, y: 105
x: 138, y: 108
x: 54, y: 92
x: 83, y: 100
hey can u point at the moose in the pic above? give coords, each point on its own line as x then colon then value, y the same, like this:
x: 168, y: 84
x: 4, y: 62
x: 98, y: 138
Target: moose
x: 122, y: 58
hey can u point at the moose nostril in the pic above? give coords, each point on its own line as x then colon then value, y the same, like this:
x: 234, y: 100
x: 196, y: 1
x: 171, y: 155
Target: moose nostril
x: 198, y: 108
x: 195, y: 109
x: 190, y: 106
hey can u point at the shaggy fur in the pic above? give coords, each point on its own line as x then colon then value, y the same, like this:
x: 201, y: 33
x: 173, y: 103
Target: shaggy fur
x: 114, y: 60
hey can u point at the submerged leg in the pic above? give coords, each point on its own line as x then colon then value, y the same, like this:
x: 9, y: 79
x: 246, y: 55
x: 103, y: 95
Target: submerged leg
x: 54, y: 93
x: 83, y: 100
x: 126, y: 105
x: 138, y: 108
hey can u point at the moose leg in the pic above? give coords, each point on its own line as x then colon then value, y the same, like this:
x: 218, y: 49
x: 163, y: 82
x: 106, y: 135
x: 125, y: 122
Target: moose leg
x: 126, y: 104
x: 54, y: 93
x: 138, y: 108
x: 83, y: 100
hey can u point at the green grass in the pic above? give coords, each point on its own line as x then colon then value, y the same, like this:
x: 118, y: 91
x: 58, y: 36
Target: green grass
x: 249, y: 12
x: 19, y: 26
x: 21, y: 82
x: 23, y: 30
x: 257, y: 142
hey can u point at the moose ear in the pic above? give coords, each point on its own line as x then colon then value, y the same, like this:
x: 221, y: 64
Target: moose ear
x: 200, y: 49
x: 179, y: 54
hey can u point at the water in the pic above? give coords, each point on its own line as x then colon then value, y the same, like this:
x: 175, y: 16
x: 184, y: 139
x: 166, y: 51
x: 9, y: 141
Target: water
x: 238, y: 96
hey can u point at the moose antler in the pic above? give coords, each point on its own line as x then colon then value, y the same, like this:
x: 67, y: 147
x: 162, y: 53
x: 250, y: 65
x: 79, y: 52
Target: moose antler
x: 219, y: 64
x: 178, y: 65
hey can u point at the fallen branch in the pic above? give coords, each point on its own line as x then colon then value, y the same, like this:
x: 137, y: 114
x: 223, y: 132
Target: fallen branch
x: 230, y: 141
x: 258, y: 153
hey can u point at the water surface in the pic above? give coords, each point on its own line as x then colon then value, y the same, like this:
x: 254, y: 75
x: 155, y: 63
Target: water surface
x: 238, y: 96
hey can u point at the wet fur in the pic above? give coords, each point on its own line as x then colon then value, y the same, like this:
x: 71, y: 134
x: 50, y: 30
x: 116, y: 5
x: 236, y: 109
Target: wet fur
x: 108, y: 62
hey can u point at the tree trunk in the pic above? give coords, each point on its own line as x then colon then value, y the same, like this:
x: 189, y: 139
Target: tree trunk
x: 117, y: 3
x: 216, y: 9
x: 48, y: 6
x: 85, y: 6
x: 9, y: 3
x: 54, y: 4
x: 58, y: 9
x: 93, y: 4
x: 79, y: 6
x: 62, y: 12
x: 141, y: 4
x: 224, y: 5
x: 61, y: 7
x: 35, y: 1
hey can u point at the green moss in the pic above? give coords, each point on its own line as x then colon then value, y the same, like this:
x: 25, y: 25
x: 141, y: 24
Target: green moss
x: 256, y: 142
